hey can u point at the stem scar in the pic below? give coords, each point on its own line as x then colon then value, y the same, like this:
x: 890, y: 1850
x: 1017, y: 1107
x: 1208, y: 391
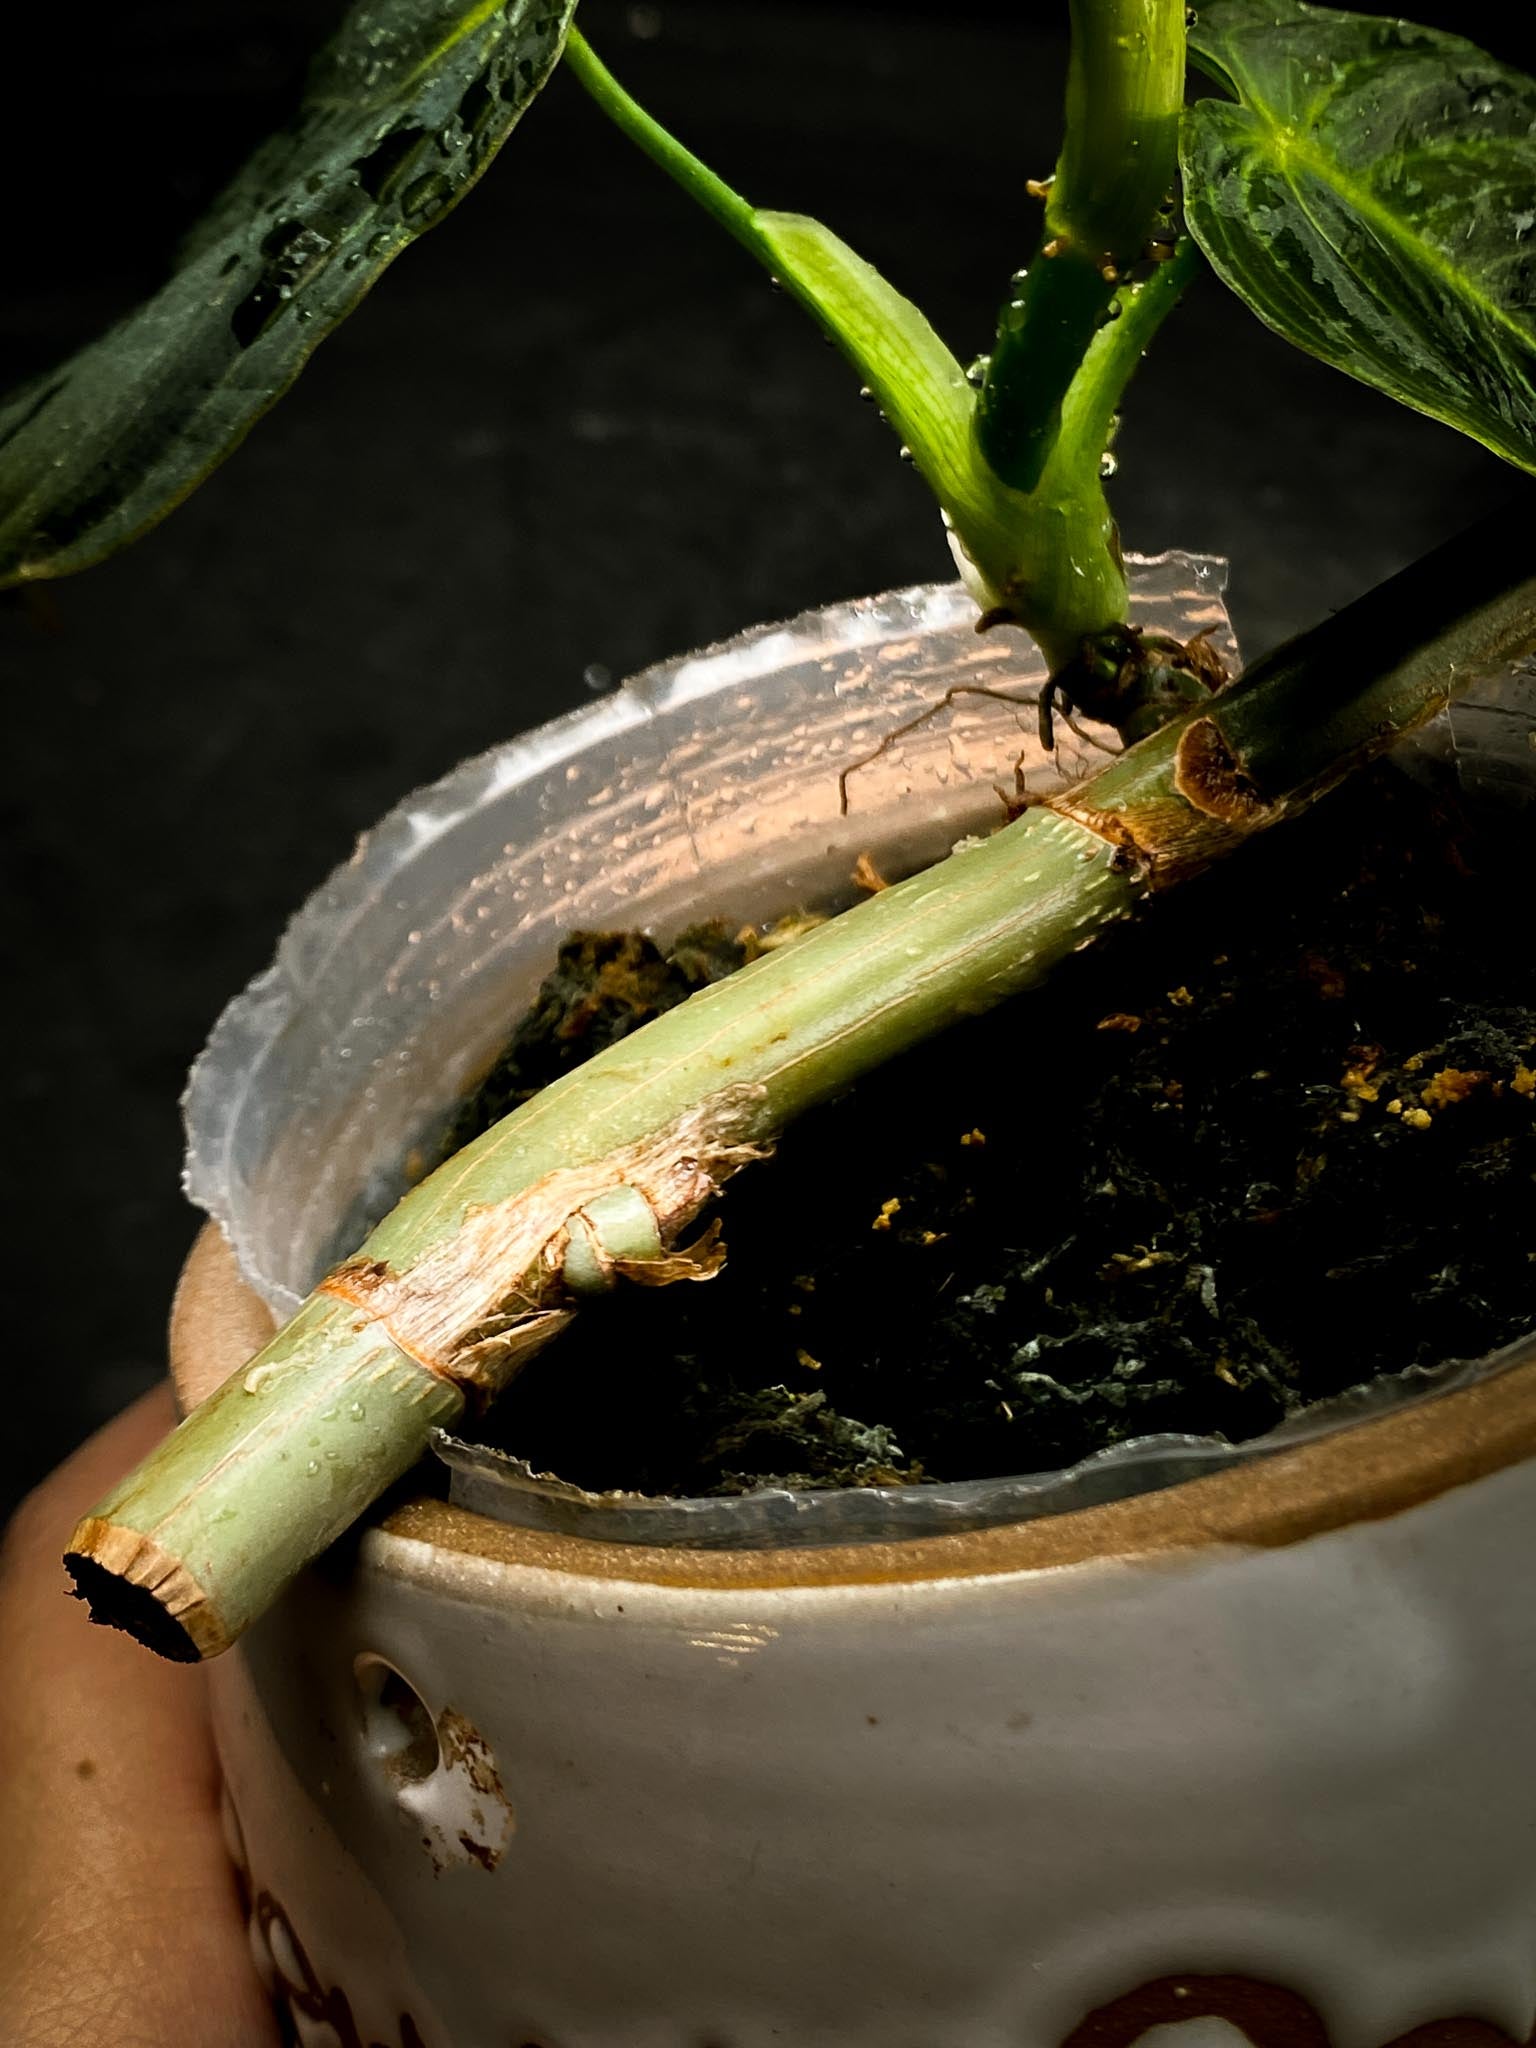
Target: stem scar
x: 1209, y: 777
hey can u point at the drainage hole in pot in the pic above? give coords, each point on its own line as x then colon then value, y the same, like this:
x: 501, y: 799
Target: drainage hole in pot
x: 398, y: 1730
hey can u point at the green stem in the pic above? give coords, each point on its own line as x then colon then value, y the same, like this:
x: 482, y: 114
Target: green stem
x: 1338, y: 696
x: 734, y: 213
x: 1108, y: 204
x: 1112, y: 357
x: 903, y: 364
x: 1042, y: 335
x: 1051, y: 560
x: 1054, y: 562
x: 475, y: 1268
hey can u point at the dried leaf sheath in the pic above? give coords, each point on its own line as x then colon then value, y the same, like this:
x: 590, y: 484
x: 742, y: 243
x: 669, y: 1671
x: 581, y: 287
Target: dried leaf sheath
x: 454, y: 1289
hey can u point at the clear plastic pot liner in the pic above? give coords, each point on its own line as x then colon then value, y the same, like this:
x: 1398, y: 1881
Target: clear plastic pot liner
x: 738, y: 781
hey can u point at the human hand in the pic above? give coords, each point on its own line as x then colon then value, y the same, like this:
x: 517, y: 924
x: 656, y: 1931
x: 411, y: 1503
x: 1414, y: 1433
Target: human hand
x: 120, y: 1922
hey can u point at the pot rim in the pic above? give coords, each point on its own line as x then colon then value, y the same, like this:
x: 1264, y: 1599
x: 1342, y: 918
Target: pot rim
x: 1364, y: 1470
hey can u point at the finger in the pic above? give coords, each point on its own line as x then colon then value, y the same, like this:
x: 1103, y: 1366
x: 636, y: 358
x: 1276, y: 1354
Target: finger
x: 119, y: 1917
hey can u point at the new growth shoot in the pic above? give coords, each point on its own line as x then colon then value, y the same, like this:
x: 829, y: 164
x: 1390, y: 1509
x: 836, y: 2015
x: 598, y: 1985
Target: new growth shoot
x: 1016, y: 465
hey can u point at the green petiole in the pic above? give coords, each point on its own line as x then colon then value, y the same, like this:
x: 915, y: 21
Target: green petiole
x: 1047, y: 558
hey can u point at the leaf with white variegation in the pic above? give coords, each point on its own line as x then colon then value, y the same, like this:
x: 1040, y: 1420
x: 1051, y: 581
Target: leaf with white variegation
x: 1371, y: 195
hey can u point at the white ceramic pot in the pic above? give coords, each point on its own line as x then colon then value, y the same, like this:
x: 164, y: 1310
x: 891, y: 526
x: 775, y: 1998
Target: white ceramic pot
x: 1244, y: 1758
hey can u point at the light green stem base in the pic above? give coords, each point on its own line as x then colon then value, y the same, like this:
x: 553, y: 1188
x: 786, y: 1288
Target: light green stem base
x: 275, y: 1463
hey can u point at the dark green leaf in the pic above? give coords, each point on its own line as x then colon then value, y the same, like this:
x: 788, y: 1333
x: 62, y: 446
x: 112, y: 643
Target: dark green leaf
x: 402, y: 113
x: 1372, y: 196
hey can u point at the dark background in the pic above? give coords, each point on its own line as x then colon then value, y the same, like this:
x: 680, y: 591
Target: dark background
x: 573, y: 427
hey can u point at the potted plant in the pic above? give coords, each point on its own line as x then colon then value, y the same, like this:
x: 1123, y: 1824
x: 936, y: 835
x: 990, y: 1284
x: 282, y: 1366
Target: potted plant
x: 487, y: 1259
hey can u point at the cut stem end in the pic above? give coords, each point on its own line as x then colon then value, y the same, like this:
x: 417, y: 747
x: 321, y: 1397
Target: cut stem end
x: 129, y: 1583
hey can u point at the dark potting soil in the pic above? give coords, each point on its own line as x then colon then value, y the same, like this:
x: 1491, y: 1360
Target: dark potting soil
x: 1273, y: 1138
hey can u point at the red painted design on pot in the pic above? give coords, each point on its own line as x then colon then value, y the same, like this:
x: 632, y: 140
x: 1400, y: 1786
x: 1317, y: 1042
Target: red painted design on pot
x: 297, y: 1984
x: 1267, y: 2015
